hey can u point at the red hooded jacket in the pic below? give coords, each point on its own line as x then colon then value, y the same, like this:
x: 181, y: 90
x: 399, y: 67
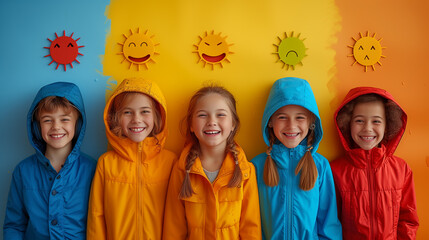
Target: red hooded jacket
x: 375, y: 189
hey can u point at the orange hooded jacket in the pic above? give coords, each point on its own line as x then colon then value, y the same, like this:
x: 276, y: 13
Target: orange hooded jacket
x: 130, y: 183
x: 214, y: 211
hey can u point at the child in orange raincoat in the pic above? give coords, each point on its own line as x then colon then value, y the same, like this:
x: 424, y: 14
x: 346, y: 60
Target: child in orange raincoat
x: 130, y: 184
x: 212, y: 192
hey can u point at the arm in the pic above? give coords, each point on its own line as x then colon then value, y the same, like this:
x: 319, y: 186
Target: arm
x: 328, y: 225
x: 96, y: 228
x: 408, y: 220
x: 175, y: 224
x: 15, y: 222
x: 250, y: 220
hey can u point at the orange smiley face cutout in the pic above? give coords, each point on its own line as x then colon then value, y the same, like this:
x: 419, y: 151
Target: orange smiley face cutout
x: 138, y: 49
x: 213, y: 49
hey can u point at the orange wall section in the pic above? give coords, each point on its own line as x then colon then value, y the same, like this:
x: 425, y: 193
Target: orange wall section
x: 404, y: 73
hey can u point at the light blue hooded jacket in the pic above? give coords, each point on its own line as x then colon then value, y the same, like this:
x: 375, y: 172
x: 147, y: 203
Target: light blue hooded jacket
x: 287, y: 212
x: 42, y: 203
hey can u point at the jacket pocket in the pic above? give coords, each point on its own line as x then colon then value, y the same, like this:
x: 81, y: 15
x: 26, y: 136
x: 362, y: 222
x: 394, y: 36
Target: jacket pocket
x: 230, y: 202
x: 195, y: 208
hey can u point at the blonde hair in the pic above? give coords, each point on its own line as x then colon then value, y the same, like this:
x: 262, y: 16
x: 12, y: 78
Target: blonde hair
x: 306, y: 165
x: 392, y: 111
x: 231, y: 147
x: 115, y: 113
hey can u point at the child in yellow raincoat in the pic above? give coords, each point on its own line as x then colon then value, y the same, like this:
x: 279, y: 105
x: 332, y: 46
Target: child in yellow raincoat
x: 130, y: 184
x: 212, y: 192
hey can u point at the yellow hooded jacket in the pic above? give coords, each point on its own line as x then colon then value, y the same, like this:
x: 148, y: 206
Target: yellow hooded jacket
x: 129, y: 188
x: 214, y: 211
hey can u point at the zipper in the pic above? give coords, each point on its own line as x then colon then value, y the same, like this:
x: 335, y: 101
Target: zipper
x: 289, y: 200
x: 139, y: 200
x: 371, y: 196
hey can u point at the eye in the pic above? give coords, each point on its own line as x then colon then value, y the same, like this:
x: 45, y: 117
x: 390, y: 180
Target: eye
x: 372, y: 48
x: 377, y: 122
x: 129, y: 45
x: 207, y: 44
x: 65, y: 119
x: 70, y: 45
x: 361, y: 48
x: 301, y: 118
x: 201, y: 115
x: 282, y: 117
x: 358, y: 121
x: 46, y: 121
x: 57, y: 46
x: 221, y: 115
x: 141, y: 44
x: 126, y: 112
x: 145, y: 111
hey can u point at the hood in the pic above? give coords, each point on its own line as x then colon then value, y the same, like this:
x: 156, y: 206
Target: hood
x: 124, y: 146
x: 389, y: 146
x: 291, y: 91
x: 71, y: 92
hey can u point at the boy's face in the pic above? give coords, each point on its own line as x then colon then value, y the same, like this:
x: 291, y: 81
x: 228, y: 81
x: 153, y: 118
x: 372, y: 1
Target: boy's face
x: 58, y: 127
x: 368, y: 124
x: 137, y: 117
x: 290, y: 124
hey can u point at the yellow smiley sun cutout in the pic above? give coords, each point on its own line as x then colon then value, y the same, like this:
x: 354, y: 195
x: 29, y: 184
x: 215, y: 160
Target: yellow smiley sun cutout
x: 367, y: 51
x: 291, y: 50
x: 213, y: 49
x: 138, y: 49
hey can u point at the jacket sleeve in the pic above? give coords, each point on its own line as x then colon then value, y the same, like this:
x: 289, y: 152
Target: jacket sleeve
x: 96, y: 228
x: 175, y: 224
x: 16, y: 219
x: 328, y: 225
x: 250, y: 220
x: 408, y: 220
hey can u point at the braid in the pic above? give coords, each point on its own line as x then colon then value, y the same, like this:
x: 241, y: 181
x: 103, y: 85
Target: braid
x: 271, y: 175
x: 307, y: 166
x: 237, y: 176
x: 186, y: 190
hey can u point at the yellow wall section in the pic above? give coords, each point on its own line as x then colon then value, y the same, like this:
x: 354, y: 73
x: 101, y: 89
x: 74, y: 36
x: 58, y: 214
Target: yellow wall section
x: 253, y: 28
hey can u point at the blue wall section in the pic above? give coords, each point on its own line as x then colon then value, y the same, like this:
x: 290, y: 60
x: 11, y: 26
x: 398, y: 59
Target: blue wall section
x: 25, y: 26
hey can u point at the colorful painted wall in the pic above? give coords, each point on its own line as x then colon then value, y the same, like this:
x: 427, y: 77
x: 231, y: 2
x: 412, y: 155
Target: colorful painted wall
x: 252, y: 30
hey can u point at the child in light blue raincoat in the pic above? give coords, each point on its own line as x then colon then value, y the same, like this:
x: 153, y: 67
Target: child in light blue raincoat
x: 295, y: 183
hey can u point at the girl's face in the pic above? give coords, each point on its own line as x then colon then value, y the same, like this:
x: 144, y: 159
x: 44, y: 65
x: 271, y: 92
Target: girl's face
x: 137, y: 117
x: 290, y: 124
x: 368, y: 124
x: 212, y: 121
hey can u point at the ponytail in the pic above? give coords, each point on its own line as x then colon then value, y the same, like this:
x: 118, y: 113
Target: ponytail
x: 271, y: 175
x: 307, y: 166
x: 237, y: 176
x: 186, y: 190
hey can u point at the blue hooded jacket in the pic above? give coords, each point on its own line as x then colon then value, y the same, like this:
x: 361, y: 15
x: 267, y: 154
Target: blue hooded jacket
x: 287, y: 212
x: 42, y: 203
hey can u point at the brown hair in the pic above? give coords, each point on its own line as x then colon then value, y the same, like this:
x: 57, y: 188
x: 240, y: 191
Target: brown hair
x: 392, y: 111
x: 194, y: 152
x: 306, y: 165
x: 115, y: 113
x: 52, y: 103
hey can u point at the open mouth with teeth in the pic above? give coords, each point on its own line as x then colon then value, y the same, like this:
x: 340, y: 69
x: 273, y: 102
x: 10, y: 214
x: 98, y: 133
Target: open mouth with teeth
x: 211, y: 132
x: 367, y: 138
x: 57, y: 136
x: 291, y: 134
x: 137, y: 129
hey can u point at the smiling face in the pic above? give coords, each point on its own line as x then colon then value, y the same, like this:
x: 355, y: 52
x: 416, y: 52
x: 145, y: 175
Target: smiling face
x: 64, y: 50
x: 58, y: 128
x: 137, y: 117
x: 138, y: 49
x: 212, y: 122
x: 213, y: 49
x: 368, y: 124
x: 290, y: 124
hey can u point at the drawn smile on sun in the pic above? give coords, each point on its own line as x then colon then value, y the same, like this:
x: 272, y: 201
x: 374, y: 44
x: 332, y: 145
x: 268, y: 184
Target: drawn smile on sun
x: 213, y: 49
x: 138, y: 49
x: 367, y: 51
x: 291, y: 51
x: 63, y: 50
